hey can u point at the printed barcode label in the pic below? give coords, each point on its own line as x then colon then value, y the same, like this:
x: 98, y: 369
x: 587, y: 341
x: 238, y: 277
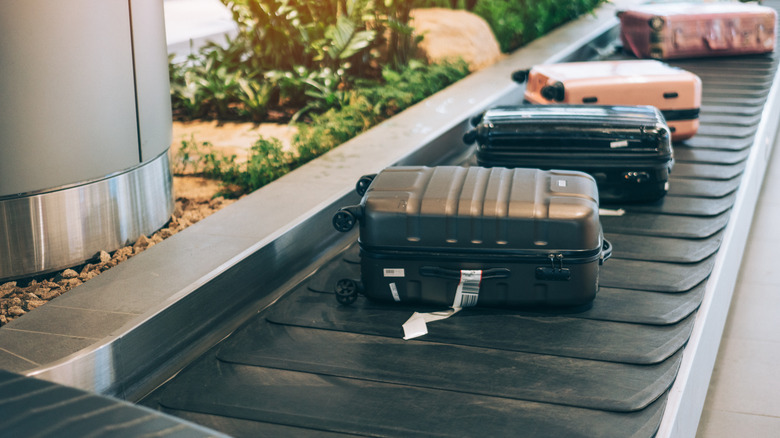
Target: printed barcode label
x: 619, y: 144
x: 394, y: 272
x: 467, y: 293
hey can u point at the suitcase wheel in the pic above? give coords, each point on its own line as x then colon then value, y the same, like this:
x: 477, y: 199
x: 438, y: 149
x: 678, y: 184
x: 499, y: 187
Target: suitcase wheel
x: 362, y: 185
x: 476, y: 119
x: 520, y: 76
x: 470, y: 136
x: 343, y: 221
x: 553, y: 92
x: 346, y: 291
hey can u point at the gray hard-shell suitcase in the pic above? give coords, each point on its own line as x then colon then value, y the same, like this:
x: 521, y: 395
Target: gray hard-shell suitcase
x: 627, y: 149
x: 465, y: 236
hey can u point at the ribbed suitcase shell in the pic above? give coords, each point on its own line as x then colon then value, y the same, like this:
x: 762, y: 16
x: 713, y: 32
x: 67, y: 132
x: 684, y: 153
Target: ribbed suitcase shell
x: 627, y: 149
x: 676, y: 92
x: 534, y: 235
x: 686, y: 30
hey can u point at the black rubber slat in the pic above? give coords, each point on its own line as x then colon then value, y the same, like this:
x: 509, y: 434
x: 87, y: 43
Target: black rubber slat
x: 718, y: 108
x: 336, y: 404
x: 742, y: 93
x: 730, y: 120
x: 708, y: 171
x: 702, y: 188
x: 643, y: 307
x: 654, y: 276
x: 737, y: 132
x: 34, y: 407
x: 746, y: 102
x: 688, y: 206
x: 662, y: 249
x: 522, y: 376
x: 684, y: 154
x: 238, y: 427
x: 324, y: 280
x: 709, y: 142
x: 559, y: 335
x: 662, y: 225
x: 734, y: 75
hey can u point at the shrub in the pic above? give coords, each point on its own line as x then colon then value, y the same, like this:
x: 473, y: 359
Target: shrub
x: 318, y: 61
x: 516, y: 23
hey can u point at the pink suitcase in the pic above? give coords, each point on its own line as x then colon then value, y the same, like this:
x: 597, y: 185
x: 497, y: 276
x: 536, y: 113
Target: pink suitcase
x: 674, y: 91
x: 686, y: 30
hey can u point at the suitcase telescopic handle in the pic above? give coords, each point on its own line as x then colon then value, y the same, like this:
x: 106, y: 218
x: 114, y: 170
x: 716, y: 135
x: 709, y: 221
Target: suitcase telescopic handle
x: 454, y: 274
x: 606, y: 251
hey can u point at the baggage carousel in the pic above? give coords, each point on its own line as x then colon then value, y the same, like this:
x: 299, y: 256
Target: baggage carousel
x: 308, y: 365
x: 293, y: 362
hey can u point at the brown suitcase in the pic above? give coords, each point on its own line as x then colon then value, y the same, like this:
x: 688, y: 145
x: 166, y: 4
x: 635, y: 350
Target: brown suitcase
x: 686, y: 30
x: 674, y: 91
x: 464, y: 236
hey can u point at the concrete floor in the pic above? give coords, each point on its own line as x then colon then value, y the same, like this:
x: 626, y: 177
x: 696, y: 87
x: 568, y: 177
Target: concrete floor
x: 744, y: 393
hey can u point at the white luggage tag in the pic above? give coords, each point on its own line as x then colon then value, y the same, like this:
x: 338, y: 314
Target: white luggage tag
x: 466, y: 295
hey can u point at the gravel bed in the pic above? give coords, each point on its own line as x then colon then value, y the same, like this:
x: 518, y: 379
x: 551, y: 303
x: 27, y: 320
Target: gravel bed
x: 22, y: 296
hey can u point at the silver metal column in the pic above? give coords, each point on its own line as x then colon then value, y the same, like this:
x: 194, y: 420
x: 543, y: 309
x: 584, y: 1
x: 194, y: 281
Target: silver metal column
x: 85, y: 125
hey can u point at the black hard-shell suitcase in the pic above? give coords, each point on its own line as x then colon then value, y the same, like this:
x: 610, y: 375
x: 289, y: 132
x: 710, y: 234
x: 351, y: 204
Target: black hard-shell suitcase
x: 627, y: 149
x: 464, y: 236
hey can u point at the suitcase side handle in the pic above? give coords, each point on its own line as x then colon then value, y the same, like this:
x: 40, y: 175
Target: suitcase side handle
x: 606, y: 251
x: 454, y: 274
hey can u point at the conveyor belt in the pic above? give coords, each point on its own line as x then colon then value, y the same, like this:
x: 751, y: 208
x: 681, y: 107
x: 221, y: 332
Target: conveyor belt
x: 306, y: 365
x: 33, y: 407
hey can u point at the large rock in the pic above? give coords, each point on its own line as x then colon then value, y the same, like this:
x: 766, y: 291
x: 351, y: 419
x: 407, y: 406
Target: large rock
x: 450, y: 34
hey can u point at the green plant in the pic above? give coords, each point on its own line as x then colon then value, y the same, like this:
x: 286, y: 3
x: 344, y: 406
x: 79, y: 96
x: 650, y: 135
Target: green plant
x: 267, y: 161
x: 370, y: 103
x: 321, y: 58
x: 518, y: 22
x: 201, y: 158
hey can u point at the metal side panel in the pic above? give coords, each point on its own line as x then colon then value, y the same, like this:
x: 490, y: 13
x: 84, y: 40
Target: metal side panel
x: 152, y: 88
x: 66, y: 87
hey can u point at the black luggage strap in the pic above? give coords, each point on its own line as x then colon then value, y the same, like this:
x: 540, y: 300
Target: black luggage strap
x: 454, y: 274
x: 469, y: 281
x: 683, y: 114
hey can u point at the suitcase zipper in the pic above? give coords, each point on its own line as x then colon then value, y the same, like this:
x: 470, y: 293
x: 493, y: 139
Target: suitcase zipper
x: 470, y: 255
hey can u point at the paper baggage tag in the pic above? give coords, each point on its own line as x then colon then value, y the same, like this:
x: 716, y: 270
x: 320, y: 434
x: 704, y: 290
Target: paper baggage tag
x: 416, y: 326
x: 466, y: 295
x: 394, y: 291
